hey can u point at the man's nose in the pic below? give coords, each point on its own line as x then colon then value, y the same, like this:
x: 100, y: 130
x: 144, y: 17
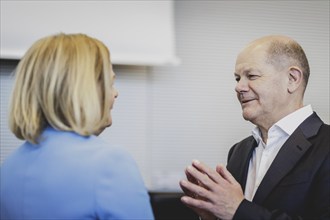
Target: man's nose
x: 241, y: 86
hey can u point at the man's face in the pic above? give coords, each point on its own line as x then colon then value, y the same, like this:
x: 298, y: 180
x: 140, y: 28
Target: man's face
x: 261, y: 89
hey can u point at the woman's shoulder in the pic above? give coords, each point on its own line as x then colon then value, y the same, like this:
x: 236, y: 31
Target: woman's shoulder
x: 109, y: 152
x: 93, y: 149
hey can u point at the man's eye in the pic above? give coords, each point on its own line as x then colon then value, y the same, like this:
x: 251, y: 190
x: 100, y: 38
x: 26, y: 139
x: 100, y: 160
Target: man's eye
x: 252, y: 77
x: 237, y: 79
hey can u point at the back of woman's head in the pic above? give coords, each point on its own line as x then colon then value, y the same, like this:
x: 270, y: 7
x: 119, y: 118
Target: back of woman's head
x: 63, y: 81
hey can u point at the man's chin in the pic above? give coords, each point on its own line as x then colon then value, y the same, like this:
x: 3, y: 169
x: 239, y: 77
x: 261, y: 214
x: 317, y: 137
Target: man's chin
x: 247, y: 115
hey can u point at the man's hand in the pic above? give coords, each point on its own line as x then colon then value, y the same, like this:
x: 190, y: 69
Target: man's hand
x: 211, y: 193
x: 203, y: 214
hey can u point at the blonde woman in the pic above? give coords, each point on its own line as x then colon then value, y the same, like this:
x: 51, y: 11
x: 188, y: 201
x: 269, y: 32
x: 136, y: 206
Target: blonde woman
x: 62, y: 99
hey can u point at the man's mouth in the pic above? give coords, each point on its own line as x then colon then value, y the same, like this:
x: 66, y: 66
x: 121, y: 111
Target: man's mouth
x: 246, y: 101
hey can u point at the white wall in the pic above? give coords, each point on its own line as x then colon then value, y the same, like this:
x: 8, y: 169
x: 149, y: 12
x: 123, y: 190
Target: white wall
x: 138, y: 32
x: 167, y: 116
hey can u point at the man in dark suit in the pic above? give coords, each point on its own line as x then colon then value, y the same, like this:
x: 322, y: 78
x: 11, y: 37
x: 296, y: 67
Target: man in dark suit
x: 282, y: 171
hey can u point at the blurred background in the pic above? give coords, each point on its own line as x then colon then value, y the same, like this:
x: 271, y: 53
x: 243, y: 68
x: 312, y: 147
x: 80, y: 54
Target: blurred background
x: 174, y: 62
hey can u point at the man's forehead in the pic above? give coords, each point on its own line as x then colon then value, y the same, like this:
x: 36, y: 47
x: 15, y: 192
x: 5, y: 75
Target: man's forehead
x: 245, y: 68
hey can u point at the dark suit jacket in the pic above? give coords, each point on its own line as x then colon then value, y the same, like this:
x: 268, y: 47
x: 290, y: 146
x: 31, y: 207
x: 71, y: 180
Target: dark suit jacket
x: 297, y: 184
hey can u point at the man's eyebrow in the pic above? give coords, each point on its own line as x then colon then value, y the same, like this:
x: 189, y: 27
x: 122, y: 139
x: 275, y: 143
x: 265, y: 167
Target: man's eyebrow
x: 248, y: 71
x: 245, y: 71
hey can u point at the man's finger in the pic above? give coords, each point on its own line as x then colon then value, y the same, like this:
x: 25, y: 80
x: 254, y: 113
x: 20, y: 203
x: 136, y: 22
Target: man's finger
x: 195, y: 191
x: 222, y: 170
x: 211, y: 173
x: 196, y: 203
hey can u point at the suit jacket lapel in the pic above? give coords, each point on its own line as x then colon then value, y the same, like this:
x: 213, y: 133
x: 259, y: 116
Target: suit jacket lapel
x: 239, y: 162
x: 289, y: 155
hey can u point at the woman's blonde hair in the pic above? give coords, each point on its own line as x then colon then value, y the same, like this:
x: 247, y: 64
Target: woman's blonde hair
x: 63, y: 81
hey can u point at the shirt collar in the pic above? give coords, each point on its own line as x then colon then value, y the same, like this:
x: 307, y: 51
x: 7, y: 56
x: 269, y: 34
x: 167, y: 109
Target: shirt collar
x: 289, y: 123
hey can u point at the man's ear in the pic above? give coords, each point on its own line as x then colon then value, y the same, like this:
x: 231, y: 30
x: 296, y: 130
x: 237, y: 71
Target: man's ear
x: 295, y: 79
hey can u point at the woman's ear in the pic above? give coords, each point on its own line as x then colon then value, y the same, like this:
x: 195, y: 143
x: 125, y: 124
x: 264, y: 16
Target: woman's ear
x: 295, y: 79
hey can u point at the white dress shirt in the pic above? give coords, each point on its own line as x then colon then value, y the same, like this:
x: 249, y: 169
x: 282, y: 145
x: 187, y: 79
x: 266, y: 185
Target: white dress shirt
x: 264, y: 154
